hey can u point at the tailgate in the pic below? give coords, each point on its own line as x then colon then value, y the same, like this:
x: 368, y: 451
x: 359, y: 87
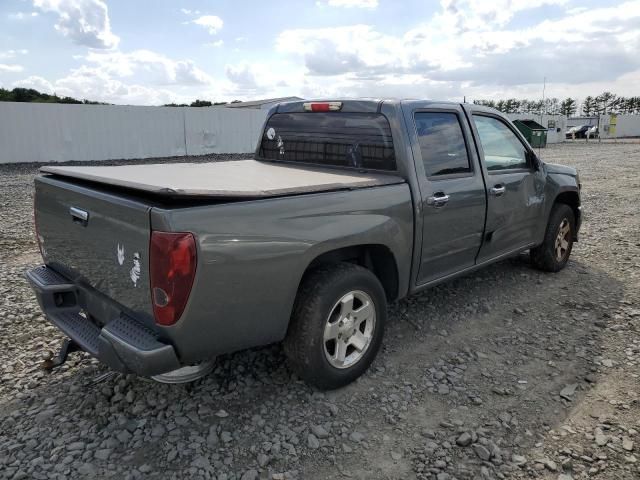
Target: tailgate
x: 96, y: 239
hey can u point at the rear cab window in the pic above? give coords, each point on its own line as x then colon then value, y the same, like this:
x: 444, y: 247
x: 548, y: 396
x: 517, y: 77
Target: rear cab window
x: 337, y: 139
x: 442, y: 145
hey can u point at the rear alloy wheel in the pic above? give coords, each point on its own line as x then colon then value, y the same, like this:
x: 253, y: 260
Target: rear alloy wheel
x: 553, y: 254
x: 337, y: 325
x: 349, y: 329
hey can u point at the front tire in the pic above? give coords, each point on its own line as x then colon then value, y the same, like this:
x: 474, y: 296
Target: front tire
x: 553, y: 254
x: 337, y: 325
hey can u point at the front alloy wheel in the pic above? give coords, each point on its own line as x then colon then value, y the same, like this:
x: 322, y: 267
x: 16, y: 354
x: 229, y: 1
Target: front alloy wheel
x: 553, y: 254
x: 562, y: 240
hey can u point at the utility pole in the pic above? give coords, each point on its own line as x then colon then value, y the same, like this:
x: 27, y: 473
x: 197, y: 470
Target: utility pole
x: 544, y: 106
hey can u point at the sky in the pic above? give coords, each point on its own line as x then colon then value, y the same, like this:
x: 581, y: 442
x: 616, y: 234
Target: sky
x: 152, y: 52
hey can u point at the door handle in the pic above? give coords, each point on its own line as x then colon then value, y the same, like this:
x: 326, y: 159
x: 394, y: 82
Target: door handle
x: 79, y: 216
x: 498, y: 190
x: 438, y: 200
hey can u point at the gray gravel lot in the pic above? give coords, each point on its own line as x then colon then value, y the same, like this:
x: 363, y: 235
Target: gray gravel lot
x: 507, y: 373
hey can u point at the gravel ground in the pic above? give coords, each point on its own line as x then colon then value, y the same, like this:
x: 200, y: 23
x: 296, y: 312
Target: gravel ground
x: 507, y: 373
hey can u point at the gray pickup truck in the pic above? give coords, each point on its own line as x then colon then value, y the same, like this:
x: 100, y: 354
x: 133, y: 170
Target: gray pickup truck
x: 345, y: 206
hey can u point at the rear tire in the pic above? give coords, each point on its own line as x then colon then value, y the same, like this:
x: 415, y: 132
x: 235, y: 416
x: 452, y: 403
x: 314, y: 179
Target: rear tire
x: 553, y: 254
x: 337, y: 325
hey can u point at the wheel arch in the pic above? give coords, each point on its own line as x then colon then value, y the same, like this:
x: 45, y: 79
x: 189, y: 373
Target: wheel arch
x: 572, y: 199
x: 377, y: 258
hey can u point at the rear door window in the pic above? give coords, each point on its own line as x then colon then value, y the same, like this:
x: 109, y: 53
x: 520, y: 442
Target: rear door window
x: 442, y: 144
x: 342, y: 139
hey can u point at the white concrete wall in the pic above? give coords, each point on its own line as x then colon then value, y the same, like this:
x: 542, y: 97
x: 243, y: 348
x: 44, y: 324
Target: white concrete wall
x: 222, y: 130
x: 553, y: 135
x: 37, y: 132
x: 626, y: 126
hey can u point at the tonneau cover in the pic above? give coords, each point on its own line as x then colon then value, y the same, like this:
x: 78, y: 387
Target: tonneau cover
x: 239, y: 178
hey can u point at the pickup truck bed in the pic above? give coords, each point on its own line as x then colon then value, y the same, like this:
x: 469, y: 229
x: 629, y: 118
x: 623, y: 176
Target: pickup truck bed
x: 240, y: 178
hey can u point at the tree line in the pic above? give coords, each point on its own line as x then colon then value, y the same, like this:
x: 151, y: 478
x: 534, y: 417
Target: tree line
x: 199, y: 103
x: 31, y: 95
x: 605, y: 103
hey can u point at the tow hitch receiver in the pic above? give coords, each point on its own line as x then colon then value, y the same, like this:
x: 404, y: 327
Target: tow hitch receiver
x: 68, y: 346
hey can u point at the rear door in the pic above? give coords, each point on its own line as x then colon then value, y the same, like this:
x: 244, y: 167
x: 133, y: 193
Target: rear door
x: 514, y: 182
x: 451, y: 185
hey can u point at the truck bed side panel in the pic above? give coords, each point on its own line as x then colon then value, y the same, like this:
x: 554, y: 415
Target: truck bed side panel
x: 252, y: 255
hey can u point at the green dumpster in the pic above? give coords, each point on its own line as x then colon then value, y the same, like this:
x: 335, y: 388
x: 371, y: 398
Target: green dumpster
x: 535, y: 133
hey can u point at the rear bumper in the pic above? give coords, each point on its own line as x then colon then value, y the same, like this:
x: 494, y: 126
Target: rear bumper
x: 124, y: 344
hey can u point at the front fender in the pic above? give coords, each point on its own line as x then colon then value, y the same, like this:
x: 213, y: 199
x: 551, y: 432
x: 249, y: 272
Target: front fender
x: 561, y: 185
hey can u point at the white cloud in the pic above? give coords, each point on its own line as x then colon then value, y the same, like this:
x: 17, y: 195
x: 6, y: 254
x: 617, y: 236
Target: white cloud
x: 349, y: 3
x: 37, y: 83
x: 212, y: 23
x: 152, y: 67
x: 11, y: 68
x: 13, y: 53
x: 22, y: 15
x: 468, y: 45
x: 96, y: 84
x: 86, y: 22
x: 242, y: 75
x: 335, y: 50
x: 485, y: 15
x: 137, y: 77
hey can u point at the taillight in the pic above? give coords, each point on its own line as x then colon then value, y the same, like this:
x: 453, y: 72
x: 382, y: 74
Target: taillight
x: 322, y: 106
x: 172, y: 268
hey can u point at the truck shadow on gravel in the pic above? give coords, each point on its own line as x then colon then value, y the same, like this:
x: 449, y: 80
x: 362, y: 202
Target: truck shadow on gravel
x: 468, y: 381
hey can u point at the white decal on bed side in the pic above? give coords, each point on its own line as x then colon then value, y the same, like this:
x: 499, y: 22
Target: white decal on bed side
x: 135, y: 270
x: 120, y: 254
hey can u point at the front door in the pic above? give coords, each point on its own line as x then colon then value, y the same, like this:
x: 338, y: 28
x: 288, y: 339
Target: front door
x: 452, y: 189
x: 515, y: 187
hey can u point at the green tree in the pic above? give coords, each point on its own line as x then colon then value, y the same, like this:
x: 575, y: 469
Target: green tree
x: 484, y: 103
x: 605, y: 103
x: 201, y: 103
x: 20, y: 94
x: 568, y: 107
x: 589, y: 106
x: 551, y: 106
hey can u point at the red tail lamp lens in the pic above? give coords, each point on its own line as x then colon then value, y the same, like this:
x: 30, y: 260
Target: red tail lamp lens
x: 172, y: 268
